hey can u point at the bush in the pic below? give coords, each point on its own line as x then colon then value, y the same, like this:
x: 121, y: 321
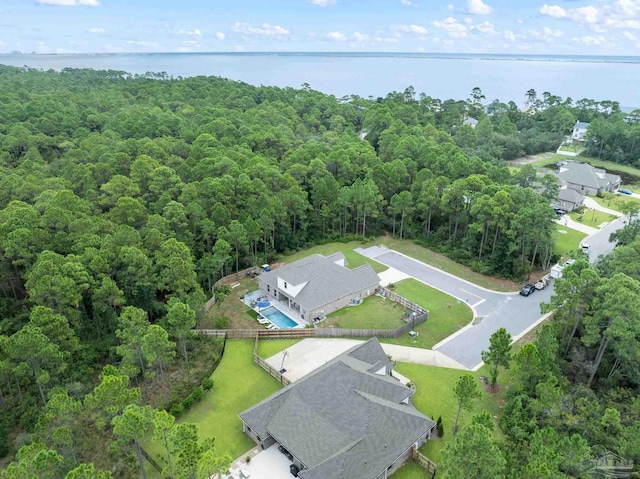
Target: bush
x: 197, y: 394
x: 222, y: 322
x: 439, y: 427
x: 207, y: 384
x: 177, y: 410
x: 221, y: 292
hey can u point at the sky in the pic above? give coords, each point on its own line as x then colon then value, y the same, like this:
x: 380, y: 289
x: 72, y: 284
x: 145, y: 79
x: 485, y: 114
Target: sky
x: 572, y: 27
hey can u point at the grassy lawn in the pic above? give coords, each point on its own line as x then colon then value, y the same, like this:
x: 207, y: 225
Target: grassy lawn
x: 353, y: 259
x: 269, y: 347
x: 567, y: 240
x: 445, y: 264
x: 374, y: 313
x: 592, y: 217
x: 572, y: 148
x: 615, y: 202
x: 434, y: 397
x: 446, y: 314
x: 548, y: 161
x: 410, y: 470
x: 237, y: 385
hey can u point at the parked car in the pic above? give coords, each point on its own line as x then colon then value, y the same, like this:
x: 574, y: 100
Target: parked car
x: 527, y: 289
x: 585, y: 248
x: 560, y: 211
x: 625, y: 192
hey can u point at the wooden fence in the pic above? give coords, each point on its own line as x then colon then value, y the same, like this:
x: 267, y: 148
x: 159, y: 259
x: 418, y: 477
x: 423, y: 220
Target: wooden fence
x: 271, y: 370
x: 300, y: 333
x: 400, y: 300
x: 230, y: 278
x: 425, y: 462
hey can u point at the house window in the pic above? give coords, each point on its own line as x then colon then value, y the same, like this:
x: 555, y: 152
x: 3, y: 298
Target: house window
x: 268, y: 289
x: 285, y: 285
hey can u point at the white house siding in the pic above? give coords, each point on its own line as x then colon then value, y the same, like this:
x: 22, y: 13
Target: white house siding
x: 341, y: 302
x: 291, y: 289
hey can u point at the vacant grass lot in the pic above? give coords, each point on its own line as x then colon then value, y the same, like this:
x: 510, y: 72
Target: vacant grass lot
x: 238, y: 384
x: 446, y: 314
x: 353, y: 259
x: 592, y: 217
x: 374, y: 313
x: 445, y: 264
x: 567, y: 240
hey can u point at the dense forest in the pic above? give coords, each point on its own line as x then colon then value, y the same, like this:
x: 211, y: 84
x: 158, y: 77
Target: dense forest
x: 124, y: 198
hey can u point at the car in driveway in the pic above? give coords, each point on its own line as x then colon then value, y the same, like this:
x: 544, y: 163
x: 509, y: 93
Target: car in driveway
x: 625, y: 192
x: 527, y: 289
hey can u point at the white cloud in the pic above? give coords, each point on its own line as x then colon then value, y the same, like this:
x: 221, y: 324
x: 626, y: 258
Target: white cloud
x: 413, y: 29
x: 468, y: 20
x: 452, y: 27
x: 519, y: 22
x: 408, y: 3
x: 338, y: 36
x: 628, y: 8
x: 587, y: 14
x: 451, y: 7
x: 381, y: 39
x: 196, y: 32
x: 630, y: 36
x: 70, y: 3
x: 509, y: 35
x: 486, y: 28
x: 323, y: 3
x: 96, y: 30
x: 360, y: 37
x: 591, y: 41
x: 478, y: 7
x: 220, y: 35
x: 264, y: 30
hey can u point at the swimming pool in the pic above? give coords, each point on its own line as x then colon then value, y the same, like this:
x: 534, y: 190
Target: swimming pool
x: 278, y: 318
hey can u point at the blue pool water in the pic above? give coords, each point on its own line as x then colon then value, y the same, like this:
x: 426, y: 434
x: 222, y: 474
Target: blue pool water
x: 278, y: 318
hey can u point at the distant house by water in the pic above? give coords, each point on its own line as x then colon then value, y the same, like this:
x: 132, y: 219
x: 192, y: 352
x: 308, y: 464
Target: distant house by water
x: 579, y: 131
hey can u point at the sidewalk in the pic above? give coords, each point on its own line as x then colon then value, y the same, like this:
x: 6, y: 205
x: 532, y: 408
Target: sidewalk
x: 565, y: 220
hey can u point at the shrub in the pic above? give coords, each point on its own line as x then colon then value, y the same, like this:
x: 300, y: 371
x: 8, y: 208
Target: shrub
x: 207, y: 384
x: 439, y: 427
x: 177, y: 410
x: 222, y: 322
x: 197, y: 394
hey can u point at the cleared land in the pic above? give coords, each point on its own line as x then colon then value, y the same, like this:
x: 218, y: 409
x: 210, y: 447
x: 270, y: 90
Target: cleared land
x: 445, y: 264
x: 567, y: 240
x: 353, y: 259
x: 446, y: 314
x: 374, y: 313
x: 237, y: 385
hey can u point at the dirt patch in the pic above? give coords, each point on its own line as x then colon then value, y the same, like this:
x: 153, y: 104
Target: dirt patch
x: 488, y: 387
x: 526, y: 160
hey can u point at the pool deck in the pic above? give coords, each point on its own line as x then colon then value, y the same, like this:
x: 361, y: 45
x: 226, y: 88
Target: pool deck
x: 254, y: 295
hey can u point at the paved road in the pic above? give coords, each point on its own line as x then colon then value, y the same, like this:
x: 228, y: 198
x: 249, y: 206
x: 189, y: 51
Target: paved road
x: 493, y: 310
x: 599, y: 242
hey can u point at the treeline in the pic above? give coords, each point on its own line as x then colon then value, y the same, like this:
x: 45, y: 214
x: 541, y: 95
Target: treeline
x: 123, y: 199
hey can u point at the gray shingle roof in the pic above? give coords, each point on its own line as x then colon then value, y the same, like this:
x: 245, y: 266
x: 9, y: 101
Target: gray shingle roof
x: 567, y: 194
x: 583, y: 174
x: 581, y: 124
x: 341, y: 421
x: 470, y: 121
x: 326, y: 280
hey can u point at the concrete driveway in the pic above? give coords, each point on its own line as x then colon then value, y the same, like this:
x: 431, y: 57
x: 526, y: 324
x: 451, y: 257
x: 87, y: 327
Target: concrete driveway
x: 492, y: 310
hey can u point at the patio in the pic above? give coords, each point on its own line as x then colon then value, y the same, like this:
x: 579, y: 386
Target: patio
x: 267, y: 464
x: 254, y: 296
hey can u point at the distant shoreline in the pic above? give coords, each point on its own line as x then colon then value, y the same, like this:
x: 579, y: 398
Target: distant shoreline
x: 399, y: 55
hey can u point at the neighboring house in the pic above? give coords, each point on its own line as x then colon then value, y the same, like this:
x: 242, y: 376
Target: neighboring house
x: 316, y: 285
x: 472, y: 122
x: 347, y: 419
x: 579, y: 131
x: 586, y: 179
x: 568, y: 200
